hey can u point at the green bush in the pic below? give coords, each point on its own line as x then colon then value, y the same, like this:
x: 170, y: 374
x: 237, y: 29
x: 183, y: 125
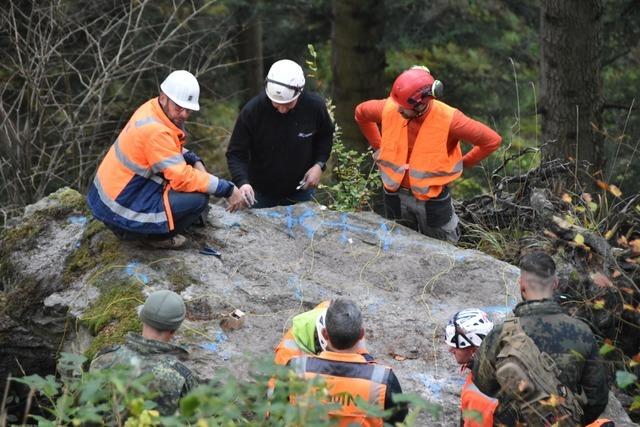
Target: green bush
x: 115, y: 396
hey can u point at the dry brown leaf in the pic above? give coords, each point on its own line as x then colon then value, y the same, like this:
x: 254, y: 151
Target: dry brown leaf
x: 587, y: 197
x: 626, y: 290
x: 398, y: 357
x: 566, y: 198
x: 632, y: 260
x: 550, y: 234
x: 553, y: 401
x: 615, y: 191
x: 609, y: 234
x: 628, y: 307
x: 635, y: 246
x: 601, y: 280
x: 602, y: 184
x: 622, y: 242
x: 598, y: 304
x: 616, y: 274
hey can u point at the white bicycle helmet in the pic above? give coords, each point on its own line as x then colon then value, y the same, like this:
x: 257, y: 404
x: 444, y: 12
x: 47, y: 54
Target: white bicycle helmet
x: 467, y: 328
x: 319, y: 328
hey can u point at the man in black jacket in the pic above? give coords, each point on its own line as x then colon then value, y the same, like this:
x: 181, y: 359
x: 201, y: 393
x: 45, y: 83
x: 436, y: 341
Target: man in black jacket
x: 281, y: 141
x: 568, y: 341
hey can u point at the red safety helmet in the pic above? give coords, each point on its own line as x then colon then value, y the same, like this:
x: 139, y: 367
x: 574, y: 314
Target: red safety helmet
x: 413, y: 88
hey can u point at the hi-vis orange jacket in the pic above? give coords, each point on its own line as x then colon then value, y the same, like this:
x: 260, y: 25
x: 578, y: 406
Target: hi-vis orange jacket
x: 130, y: 189
x: 477, y: 408
x: 348, y: 375
x: 430, y: 163
x: 288, y: 348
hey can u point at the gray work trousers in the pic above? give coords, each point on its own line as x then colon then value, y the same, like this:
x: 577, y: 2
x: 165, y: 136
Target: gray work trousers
x: 434, y: 217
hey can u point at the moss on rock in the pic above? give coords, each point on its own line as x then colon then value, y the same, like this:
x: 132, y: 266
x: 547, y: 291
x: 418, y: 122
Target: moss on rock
x: 98, y: 247
x: 113, y: 314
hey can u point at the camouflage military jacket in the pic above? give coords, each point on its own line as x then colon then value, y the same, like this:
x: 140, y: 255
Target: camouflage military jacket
x: 568, y: 341
x: 172, y: 379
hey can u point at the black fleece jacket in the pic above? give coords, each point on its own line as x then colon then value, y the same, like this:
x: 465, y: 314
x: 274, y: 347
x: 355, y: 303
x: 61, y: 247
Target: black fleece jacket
x: 272, y: 151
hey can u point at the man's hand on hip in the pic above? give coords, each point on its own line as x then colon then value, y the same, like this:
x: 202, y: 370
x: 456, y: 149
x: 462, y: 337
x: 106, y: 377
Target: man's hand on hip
x: 235, y: 202
x: 312, y: 177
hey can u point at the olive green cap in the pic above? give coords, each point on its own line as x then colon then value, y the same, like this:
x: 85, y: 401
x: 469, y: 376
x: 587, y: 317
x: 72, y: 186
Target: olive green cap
x: 163, y: 310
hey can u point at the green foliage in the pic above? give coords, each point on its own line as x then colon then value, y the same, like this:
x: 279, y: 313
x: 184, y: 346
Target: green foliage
x: 624, y: 379
x: 117, y: 396
x: 352, y: 189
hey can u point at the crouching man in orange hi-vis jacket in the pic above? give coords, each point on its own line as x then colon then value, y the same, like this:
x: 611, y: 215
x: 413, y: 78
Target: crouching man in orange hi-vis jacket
x: 305, y: 336
x: 463, y: 335
x: 348, y: 374
x: 417, y: 139
x: 148, y: 186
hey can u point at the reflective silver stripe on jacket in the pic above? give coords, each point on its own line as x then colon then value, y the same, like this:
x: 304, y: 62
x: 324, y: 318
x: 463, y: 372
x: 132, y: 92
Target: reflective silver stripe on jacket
x: 420, y: 190
x: 133, y: 167
x: 178, y: 159
x: 146, y: 121
x: 421, y: 175
x: 299, y: 364
x: 388, y: 164
x: 213, y: 184
x: 379, y: 377
x: 131, y: 215
x: 290, y: 344
x: 387, y: 180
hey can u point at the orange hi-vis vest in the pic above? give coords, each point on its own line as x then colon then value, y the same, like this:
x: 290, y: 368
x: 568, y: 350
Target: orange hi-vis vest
x: 601, y: 422
x: 430, y: 163
x: 287, y: 349
x: 130, y: 189
x: 347, y: 375
x: 477, y: 408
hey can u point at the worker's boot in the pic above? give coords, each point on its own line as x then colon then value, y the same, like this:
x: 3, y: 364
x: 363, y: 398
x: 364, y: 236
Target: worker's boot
x: 174, y: 242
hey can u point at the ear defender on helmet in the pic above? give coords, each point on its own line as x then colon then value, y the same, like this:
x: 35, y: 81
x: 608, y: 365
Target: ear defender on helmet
x: 436, y: 90
x: 413, y: 87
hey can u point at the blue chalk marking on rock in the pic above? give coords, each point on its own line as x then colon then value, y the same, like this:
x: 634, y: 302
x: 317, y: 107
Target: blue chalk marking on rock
x: 211, y: 346
x: 77, y: 219
x: 132, y: 271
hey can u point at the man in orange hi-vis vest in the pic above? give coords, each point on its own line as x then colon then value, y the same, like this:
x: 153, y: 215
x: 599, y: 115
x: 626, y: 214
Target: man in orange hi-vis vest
x: 463, y: 335
x: 148, y: 186
x: 417, y: 142
x: 349, y: 376
x: 305, y: 336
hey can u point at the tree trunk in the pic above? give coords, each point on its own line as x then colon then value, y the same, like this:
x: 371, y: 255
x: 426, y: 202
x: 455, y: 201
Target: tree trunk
x: 571, y: 83
x: 358, y: 61
x: 250, y: 50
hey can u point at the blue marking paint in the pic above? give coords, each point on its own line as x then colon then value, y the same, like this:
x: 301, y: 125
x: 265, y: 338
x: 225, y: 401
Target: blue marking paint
x: 131, y: 271
x: 431, y: 384
x: 294, y: 282
x: 385, y: 236
x: 291, y: 220
x: 214, y: 346
x: 211, y: 346
x: 77, y: 219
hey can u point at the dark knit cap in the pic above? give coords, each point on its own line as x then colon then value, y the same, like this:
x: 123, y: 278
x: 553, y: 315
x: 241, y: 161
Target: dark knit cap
x: 163, y: 310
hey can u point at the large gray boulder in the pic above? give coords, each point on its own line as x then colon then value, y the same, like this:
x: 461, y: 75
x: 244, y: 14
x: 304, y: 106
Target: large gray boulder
x: 275, y: 263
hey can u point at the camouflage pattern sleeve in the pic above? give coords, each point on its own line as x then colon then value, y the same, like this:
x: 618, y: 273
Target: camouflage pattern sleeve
x: 484, y: 365
x: 169, y: 385
x: 595, y: 386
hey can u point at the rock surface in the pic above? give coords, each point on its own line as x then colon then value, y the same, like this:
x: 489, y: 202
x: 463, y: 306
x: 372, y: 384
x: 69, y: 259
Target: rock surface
x: 275, y: 263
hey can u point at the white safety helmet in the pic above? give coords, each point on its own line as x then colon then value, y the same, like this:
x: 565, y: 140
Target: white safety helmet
x: 182, y: 88
x: 319, y: 328
x: 467, y: 328
x: 284, y: 82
